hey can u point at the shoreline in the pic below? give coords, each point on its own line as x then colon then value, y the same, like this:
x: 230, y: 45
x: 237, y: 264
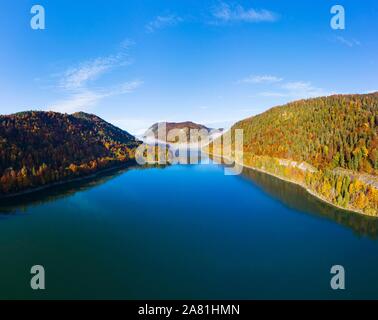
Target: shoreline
x: 63, y: 182
x: 314, y: 194
x: 129, y: 164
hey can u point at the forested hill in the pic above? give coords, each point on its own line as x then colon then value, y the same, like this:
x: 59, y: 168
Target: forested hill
x: 329, y: 145
x: 38, y: 148
x: 328, y: 132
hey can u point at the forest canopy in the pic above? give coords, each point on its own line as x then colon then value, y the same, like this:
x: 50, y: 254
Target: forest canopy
x: 328, y: 132
x: 38, y: 148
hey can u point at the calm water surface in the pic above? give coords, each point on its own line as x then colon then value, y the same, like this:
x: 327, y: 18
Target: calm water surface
x: 184, y: 232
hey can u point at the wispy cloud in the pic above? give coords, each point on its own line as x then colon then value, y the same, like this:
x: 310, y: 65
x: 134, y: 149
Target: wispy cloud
x: 296, y: 90
x: 78, y: 76
x: 162, y: 22
x: 260, y: 79
x: 349, y: 43
x: 76, y: 82
x: 84, y: 99
x: 227, y: 13
x: 80, y: 101
x: 279, y: 88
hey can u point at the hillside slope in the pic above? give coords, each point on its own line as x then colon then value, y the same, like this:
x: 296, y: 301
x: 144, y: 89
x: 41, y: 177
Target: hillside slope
x: 329, y: 145
x: 38, y: 148
x: 335, y: 131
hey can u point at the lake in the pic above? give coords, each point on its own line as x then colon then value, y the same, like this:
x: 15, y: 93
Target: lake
x: 184, y: 232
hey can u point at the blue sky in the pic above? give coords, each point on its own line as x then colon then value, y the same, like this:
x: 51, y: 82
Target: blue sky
x: 135, y: 62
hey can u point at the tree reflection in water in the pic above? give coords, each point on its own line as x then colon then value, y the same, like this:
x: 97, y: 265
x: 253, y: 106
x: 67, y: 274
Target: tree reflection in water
x: 295, y: 197
x: 290, y: 194
x: 24, y: 202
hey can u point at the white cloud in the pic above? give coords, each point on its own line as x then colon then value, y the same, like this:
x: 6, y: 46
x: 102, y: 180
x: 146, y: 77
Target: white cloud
x: 236, y: 13
x: 75, y: 82
x: 78, y: 76
x: 261, y: 79
x: 349, y: 43
x: 80, y: 101
x: 85, y: 99
x: 302, y: 89
x: 126, y: 87
x: 296, y: 90
x: 278, y: 88
x: 162, y: 22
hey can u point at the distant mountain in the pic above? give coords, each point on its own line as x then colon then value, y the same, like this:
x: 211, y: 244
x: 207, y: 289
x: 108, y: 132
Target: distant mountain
x: 327, y: 144
x: 39, y: 148
x: 184, y: 126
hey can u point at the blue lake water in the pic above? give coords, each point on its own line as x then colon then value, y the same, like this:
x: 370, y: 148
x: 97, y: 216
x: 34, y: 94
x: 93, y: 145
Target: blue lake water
x: 185, y: 231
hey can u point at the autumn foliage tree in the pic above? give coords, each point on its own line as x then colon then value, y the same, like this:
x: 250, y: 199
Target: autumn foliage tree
x: 38, y: 148
x: 336, y: 135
